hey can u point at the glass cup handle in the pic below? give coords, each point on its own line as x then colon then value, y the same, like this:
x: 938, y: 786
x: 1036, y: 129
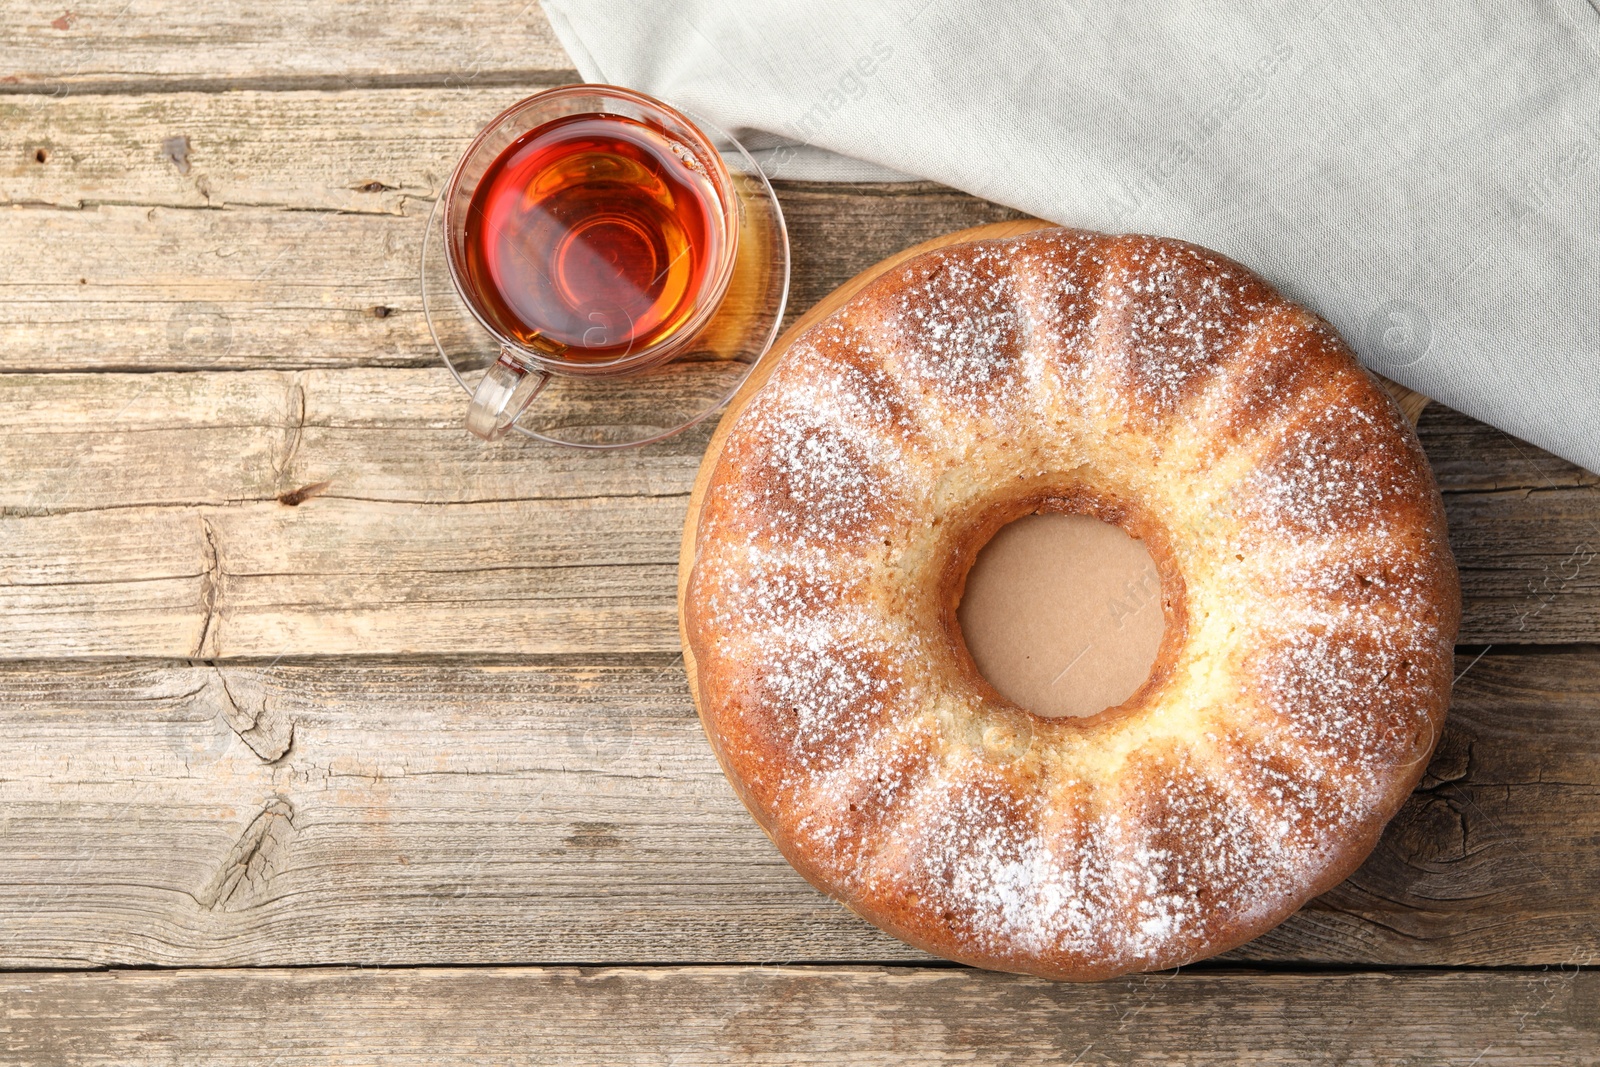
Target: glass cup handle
x: 506, y: 390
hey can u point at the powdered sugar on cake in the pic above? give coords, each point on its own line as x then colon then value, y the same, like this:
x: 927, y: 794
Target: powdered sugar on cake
x: 1293, y: 717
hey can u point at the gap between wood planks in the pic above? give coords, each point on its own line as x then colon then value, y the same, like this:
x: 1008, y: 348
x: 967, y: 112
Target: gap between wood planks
x: 533, y: 80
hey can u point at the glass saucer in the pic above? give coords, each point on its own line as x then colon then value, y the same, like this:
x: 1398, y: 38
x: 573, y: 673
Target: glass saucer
x: 648, y: 405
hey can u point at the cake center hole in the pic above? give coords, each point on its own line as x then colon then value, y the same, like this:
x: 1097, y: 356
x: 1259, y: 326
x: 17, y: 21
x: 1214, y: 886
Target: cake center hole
x: 1062, y: 614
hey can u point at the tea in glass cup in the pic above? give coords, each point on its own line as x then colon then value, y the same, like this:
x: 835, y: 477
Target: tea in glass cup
x: 591, y: 230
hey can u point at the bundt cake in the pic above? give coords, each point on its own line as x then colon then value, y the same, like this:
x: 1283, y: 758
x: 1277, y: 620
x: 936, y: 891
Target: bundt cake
x: 1310, y: 599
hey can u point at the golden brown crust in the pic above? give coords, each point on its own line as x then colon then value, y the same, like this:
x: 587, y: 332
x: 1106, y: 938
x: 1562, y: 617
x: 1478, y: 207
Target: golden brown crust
x: 1310, y: 595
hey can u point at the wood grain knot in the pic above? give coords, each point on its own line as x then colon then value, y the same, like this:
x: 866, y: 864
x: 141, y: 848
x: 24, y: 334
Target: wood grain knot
x: 240, y: 882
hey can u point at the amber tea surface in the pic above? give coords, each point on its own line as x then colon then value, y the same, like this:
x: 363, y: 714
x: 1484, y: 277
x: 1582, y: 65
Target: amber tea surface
x: 592, y: 236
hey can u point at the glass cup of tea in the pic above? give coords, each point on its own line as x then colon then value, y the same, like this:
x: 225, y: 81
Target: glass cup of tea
x: 594, y: 232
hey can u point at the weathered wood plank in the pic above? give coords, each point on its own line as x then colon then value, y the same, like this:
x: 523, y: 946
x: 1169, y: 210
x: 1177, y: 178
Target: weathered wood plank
x: 161, y: 531
x: 402, y: 812
x: 342, y: 151
x: 338, y: 575
x: 798, y: 1015
x: 1468, y: 456
x: 360, y: 151
x: 385, y: 814
x: 137, y: 506
x: 242, y: 288
x: 136, y: 287
x: 71, y: 442
x: 155, y: 45
x: 293, y: 238
x: 1530, y: 563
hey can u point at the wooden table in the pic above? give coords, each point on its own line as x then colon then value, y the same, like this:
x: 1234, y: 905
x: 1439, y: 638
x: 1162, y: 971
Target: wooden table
x: 329, y: 735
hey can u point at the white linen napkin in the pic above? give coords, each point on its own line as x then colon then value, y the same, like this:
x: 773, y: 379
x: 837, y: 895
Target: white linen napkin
x: 1425, y: 175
